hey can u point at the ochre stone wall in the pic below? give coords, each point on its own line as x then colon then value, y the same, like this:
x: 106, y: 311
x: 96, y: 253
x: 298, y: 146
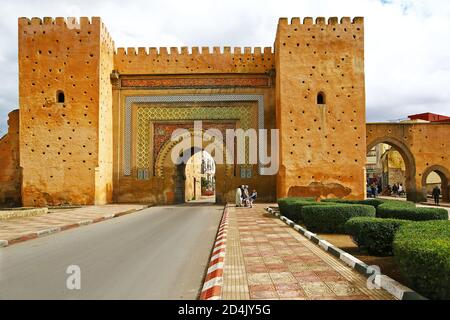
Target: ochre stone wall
x: 59, y: 142
x: 103, y: 177
x: 322, y: 143
x: 193, y: 61
x: 423, y: 146
x: 10, y: 172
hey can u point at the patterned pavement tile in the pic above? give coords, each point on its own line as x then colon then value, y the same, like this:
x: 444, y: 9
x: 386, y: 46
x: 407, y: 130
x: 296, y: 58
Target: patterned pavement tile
x: 316, y: 289
x: 278, y: 263
x: 259, y: 278
x: 343, y: 288
x: 277, y: 267
x: 256, y: 268
x: 282, y: 277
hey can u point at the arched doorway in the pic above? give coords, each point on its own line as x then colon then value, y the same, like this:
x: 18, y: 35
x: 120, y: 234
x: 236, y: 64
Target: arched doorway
x: 173, y: 174
x: 436, y: 175
x: 195, y: 177
x: 406, y: 168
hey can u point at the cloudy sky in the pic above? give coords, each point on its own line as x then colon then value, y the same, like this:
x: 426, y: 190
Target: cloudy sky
x: 407, y: 41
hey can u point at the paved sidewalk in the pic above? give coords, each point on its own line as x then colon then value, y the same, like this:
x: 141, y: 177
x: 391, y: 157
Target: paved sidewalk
x: 26, y: 228
x: 266, y: 259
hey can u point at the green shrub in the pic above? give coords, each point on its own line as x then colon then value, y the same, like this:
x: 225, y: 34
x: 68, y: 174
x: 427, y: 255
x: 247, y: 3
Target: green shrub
x: 291, y: 208
x: 422, y: 251
x: 394, y: 211
x: 374, y: 235
x: 330, y: 218
x: 371, y: 202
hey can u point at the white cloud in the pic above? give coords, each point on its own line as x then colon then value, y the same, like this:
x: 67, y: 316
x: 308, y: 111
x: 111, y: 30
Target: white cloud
x: 407, y: 46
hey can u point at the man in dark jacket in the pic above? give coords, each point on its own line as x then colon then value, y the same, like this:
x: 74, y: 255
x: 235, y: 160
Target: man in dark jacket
x: 436, y: 193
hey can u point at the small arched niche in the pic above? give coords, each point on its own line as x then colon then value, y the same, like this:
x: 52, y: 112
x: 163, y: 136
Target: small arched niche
x: 60, y: 97
x: 321, y: 99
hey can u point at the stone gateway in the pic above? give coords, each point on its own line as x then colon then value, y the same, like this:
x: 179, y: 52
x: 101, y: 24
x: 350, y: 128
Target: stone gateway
x: 95, y: 121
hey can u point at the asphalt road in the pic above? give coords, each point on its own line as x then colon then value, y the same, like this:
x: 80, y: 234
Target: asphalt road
x: 157, y: 253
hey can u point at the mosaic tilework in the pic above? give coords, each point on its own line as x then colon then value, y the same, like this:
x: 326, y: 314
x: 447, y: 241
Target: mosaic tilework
x: 145, y: 114
x: 157, y: 83
x: 193, y: 99
x: 162, y: 132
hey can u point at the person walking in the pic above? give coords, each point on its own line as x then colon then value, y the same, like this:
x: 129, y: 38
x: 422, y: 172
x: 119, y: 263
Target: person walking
x: 373, y: 189
x: 436, y: 193
x: 238, y: 197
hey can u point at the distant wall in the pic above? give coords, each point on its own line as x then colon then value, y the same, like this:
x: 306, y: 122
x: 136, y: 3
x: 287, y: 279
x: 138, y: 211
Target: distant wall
x: 10, y: 172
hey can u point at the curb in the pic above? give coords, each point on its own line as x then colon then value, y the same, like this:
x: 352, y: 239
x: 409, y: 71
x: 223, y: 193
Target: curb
x: 213, y: 282
x: 46, y: 232
x: 395, y: 288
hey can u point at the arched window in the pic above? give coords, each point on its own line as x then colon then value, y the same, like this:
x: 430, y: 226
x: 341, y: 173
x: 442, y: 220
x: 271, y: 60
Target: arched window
x: 60, y: 98
x: 321, y: 98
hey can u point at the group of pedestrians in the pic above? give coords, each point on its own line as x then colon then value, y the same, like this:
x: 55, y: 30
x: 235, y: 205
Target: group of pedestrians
x: 244, y: 198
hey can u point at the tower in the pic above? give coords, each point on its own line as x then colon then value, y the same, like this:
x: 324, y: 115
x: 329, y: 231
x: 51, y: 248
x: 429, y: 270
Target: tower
x: 320, y: 107
x: 65, y: 99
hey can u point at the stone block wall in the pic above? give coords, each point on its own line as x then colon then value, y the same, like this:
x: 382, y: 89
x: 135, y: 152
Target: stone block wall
x: 320, y: 107
x: 10, y: 172
x: 64, y: 103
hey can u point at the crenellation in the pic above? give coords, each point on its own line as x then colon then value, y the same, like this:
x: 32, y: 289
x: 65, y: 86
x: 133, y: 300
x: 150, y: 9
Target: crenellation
x: 320, y: 21
x: 333, y: 21
x: 296, y: 21
x: 308, y: 21
x: 345, y: 20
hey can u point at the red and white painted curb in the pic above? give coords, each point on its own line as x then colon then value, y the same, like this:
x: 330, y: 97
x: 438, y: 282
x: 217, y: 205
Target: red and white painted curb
x: 46, y: 232
x: 213, y: 283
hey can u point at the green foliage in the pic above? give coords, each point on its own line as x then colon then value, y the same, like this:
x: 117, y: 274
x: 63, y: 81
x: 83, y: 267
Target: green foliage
x: 331, y: 218
x: 374, y: 235
x: 422, y: 251
x: 407, y: 212
x: 291, y: 208
x: 371, y: 202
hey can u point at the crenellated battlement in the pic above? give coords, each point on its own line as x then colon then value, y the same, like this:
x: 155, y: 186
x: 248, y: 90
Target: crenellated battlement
x: 194, y: 60
x: 69, y: 23
x: 193, y: 51
x: 60, y: 21
x: 296, y: 21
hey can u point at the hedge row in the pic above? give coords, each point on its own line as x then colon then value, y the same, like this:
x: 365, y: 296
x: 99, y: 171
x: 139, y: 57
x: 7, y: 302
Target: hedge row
x: 371, y: 202
x: 291, y: 208
x: 331, y: 218
x: 374, y: 235
x: 390, y: 210
x: 422, y: 251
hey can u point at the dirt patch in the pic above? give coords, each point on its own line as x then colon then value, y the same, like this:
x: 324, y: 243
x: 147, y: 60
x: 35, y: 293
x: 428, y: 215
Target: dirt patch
x: 387, y: 265
x: 318, y: 189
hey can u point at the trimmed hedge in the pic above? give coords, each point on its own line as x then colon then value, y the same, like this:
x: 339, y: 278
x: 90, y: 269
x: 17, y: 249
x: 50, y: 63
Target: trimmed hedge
x: 374, y: 235
x: 422, y: 251
x: 371, y: 202
x: 389, y: 210
x: 331, y: 218
x: 291, y: 208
